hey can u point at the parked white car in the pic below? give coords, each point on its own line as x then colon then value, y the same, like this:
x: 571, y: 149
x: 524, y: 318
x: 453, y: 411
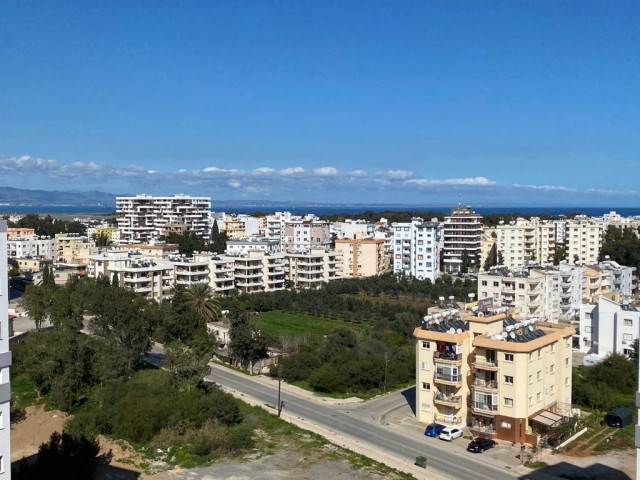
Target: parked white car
x: 450, y: 433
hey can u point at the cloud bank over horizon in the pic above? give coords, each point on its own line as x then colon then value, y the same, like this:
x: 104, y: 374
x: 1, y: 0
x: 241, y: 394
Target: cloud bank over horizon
x: 325, y: 183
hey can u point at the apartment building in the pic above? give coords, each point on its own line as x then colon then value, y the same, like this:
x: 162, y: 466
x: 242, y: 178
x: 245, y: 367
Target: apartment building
x: 242, y: 247
x: 523, y: 241
x: 571, y: 291
x: 352, y: 229
x: 20, y: 232
x: 303, y: 235
x: 313, y: 268
x: 533, y: 291
x: 608, y: 326
x: 112, y: 234
x: 221, y: 272
x: 32, y: 246
x: 145, y: 277
x: 144, y: 218
x: 505, y: 379
x: 605, y: 277
x: 415, y: 249
x: 273, y: 225
x: 583, y: 238
x: 187, y: 271
x: 74, y: 249
x: 241, y: 226
x: 362, y: 257
x: 257, y: 272
x: 5, y: 360
x: 153, y: 250
x: 462, y: 239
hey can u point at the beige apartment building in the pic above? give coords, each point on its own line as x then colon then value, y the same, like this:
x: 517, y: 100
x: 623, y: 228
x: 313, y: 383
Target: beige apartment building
x: 221, y: 272
x: 159, y: 251
x: 74, y: 249
x: 363, y: 257
x: 583, y: 238
x: 524, y: 241
x: 258, y: 272
x: 241, y: 226
x: 313, y: 268
x: 503, y: 378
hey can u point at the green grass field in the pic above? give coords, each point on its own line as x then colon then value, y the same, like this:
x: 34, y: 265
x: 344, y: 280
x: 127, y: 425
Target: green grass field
x: 277, y: 323
x: 23, y: 392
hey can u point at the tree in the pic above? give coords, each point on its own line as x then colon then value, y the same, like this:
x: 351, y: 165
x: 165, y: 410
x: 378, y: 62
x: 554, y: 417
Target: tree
x: 634, y: 354
x: 465, y: 261
x: 186, y: 367
x: 36, y: 301
x: 115, y: 280
x: 559, y: 254
x: 200, y: 298
x: 500, y: 258
x: 245, y: 341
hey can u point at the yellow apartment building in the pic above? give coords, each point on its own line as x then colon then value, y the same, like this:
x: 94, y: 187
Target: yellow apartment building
x: 503, y: 378
x: 362, y: 257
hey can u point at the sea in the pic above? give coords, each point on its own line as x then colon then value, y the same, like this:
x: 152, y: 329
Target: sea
x: 325, y: 209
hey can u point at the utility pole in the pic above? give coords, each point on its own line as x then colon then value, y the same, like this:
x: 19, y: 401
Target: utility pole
x: 280, y: 403
x: 386, y: 361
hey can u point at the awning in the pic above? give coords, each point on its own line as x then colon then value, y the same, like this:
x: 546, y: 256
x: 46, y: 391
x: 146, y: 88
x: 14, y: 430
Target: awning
x: 548, y: 418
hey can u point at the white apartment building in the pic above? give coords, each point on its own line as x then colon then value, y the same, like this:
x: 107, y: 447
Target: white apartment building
x: 144, y: 217
x: 32, y: 247
x: 583, y: 238
x: 523, y: 241
x: 351, y: 229
x: 221, y: 272
x: 608, y: 327
x: 313, y: 268
x: 242, y: 247
x: 534, y: 292
x: 571, y: 290
x: 187, y: 271
x: 302, y: 235
x: 274, y: 225
x: 415, y: 249
x: 618, y: 277
x: 461, y: 232
x: 5, y: 360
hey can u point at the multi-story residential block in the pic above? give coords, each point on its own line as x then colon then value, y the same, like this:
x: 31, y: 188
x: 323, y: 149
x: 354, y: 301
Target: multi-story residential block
x: 504, y: 378
x: 583, y: 238
x: 187, y: 271
x: 605, y: 277
x: 257, y: 272
x: 533, y: 291
x: 221, y: 272
x: 608, y: 327
x: 153, y: 250
x: 241, y: 226
x: 111, y: 234
x: 144, y: 218
x: 523, y: 241
x: 274, y: 225
x: 462, y: 239
x: 302, y: 235
x: 415, y: 249
x: 5, y: 360
x: 571, y: 293
x: 20, y: 232
x: 32, y: 246
x: 74, y: 249
x: 145, y: 277
x: 352, y: 229
x: 363, y: 257
x: 242, y: 247
x: 488, y: 248
x: 313, y: 268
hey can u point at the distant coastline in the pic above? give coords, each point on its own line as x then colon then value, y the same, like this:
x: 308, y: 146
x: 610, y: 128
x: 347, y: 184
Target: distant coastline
x: 325, y: 209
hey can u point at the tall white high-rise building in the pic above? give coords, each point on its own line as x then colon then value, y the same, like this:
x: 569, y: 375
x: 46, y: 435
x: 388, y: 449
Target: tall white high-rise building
x: 144, y: 218
x: 415, y: 249
x: 5, y: 360
x: 462, y: 234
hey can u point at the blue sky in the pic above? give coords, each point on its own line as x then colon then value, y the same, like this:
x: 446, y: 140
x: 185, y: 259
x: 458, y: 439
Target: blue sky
x: 417, y: 102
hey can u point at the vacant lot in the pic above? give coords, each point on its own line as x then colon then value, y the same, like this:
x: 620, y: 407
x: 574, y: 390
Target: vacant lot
x: 276, y: 323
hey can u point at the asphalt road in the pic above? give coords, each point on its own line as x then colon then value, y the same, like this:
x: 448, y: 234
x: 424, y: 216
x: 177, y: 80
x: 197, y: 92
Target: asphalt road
x: 455, y: 465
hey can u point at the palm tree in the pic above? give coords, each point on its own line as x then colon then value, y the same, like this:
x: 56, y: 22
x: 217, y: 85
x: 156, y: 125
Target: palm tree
x: 202, y: 300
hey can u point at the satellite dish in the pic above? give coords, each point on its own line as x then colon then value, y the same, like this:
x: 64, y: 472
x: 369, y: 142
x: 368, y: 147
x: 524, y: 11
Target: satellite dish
x: 504, y: 334
x: 459, y: 330
x: 425, y: 318
x: 451, y: 330
x: 510, y: 328
x: 531, y: 328
x: 437, y: 321
x: 512, y: 335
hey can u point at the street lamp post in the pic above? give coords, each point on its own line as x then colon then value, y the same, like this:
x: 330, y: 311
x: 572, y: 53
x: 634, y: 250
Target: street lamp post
x: 386, y: 362
x: 280, y: 403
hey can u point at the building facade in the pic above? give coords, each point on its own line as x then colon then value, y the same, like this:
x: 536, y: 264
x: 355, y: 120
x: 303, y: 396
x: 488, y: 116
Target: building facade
x: 524, y: 241
x: 583, y: 238
x: 608, y: 327
x: 145, y: 218
x: 505, y: 379
x: 5, y: 360
x: 302, y: 235
x: 462, y: 240
x: 415, y: 249
x: 313, y: 268
x: 363, y: 257
x: 31, y: 246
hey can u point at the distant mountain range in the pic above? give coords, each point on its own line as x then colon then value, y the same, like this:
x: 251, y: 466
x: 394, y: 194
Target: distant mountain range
x: 21, y: 196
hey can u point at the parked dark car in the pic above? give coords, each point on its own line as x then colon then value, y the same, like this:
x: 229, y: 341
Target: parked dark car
x: 480, y: 444
x: 433, y: 429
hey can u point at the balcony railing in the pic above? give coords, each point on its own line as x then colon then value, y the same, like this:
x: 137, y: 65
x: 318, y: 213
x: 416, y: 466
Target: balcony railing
x: 485, y: 407
x: 445, y: 377
x: 447, y: 358
x: 482, y: 364
x: 454, y: 400
x: 481, y: 384
x: 448, y: 419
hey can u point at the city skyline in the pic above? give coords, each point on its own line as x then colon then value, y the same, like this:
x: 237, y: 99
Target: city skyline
x: 432, y: 103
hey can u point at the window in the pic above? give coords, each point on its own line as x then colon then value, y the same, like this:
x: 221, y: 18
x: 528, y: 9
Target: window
x: 508, y: 357
x: 539, y: 396
x: 530, y: 379
x: 551, y: 389
x: 425, y: 366
x: 539, y: 352
x: 627, y: 337
x: 426, y: 386
x: 530, y: 400
x: 426, y: 344
x: 521, y: 286
x: 628, y: 322
x: 496, y: 284
x: 587, y: 329
x: 566, y: 362
x: 539, y: 375
x: 566, y: 381
x: 508, y: 402
x: 420, y: 242
x: 552, y: 368
x: 505, y: 424
x: 484, y: 283
x: 508, y: 379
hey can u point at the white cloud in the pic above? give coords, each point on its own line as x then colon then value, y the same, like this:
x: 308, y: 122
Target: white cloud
x: 264, y: 171
x: 476, y: 181
x: 547, y: 188
x: 291, y: 171
x: 395, y: 174
x: 234, y: 183
x: 222, y: 171
x: 357, y: 174
x: 325, y: 171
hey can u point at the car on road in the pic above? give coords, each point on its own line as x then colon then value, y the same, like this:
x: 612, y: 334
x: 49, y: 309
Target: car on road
x: 450, y: 433
x: 434, y: 429
x: 480, y: 444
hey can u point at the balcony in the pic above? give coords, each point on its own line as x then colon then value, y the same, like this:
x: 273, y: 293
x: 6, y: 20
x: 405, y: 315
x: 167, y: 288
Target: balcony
x: 485, y: 385
x: 486, y: 408
x: 448, y: 419
x: 481, y: 363
x: 448, y: 379
x: 447, y: 400
x: 447, y: 358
